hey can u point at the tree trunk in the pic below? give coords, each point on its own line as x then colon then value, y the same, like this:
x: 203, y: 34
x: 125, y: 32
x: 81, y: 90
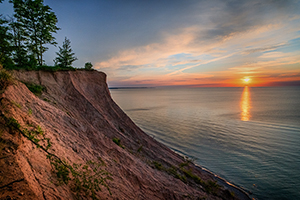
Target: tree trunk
x: 41, y: 51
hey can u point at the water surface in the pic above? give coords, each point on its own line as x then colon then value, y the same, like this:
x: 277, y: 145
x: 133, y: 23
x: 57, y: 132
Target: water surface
x: 249, y: 136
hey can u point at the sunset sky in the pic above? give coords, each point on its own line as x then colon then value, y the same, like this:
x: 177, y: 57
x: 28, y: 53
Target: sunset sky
x: 186, y: 42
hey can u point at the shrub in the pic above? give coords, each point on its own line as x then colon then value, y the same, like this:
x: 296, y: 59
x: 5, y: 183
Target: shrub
x: 85, y: 180
x: 35, y: 89
x: 6, y: 79
x: 118, y: 142
x: 140, y: 149
x: 158, y: 165
x: 88, y: 66
x: 12, y: 123
x: 42, y: 68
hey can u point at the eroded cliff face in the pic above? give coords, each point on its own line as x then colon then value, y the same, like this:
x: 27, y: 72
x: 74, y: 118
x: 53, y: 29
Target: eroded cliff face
x: 80, y: 120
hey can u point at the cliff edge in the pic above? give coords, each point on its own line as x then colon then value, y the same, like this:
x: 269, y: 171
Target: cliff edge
x: 72, y: 141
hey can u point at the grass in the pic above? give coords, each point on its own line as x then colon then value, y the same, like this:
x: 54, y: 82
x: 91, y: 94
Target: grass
x: 186, y: 162
x: 85, y: 180
x: 184, y: 175
x: 47, y: 100
x: 16, y: 104
x: 35, y: 88
x: 117, y: 141
x: 13, y: 124
x: 171, y: 170
x: 6, y: 79
x: 140, y: 149
x: 158, y: 165
x: 29, y: 111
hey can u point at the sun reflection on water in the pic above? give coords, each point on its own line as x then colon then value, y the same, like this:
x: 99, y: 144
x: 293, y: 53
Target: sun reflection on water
x: 245, y: 105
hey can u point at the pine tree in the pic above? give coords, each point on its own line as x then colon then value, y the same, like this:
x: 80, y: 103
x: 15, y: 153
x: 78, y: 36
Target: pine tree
x: 65, y: 56
x: 18, y: 40
x: 5, y: 47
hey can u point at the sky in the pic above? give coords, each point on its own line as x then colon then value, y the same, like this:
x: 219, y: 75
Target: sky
x: 193, y: 43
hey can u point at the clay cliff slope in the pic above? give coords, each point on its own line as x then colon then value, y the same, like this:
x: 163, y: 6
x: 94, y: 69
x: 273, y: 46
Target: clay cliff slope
x: 48, y: 138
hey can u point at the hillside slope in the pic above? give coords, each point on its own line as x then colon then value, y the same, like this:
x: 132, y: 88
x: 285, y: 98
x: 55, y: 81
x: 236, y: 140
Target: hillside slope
x: 77, y: 122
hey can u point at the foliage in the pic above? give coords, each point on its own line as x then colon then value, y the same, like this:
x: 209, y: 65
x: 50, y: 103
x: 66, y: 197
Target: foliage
x: 16, y: 104
x: 65, y: 56
x: 35, y: 89
x: 30, y: 67
x: 84, y: 180
x: 13, y: 124
x: 18, y: 40
x: 29, y: 111
x: 47, y: 100
x: 186, y: 162
x: 140, y: 149
x: 89, y: 177
x: 157, y: 165
x: 173, y: 171
x: 38, y: 22
x: 88, y: 66
x: 25, y: 36
x: 209, y: 186
x: 118, y: 142
x: 6, y: 79
x: 5, y: 47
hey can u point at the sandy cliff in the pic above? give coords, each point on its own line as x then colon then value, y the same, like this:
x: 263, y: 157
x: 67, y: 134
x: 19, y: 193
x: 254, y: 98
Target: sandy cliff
x: 78, y: 118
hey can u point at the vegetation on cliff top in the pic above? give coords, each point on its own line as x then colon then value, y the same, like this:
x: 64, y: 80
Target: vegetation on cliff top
x: 5, y: 79
x: 25, y: 36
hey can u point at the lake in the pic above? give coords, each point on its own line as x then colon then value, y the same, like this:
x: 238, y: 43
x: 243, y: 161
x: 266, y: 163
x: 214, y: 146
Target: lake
x: 249, y: 136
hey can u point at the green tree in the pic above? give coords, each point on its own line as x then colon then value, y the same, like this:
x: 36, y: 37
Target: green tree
x: 65, y: 56
x: 39, y: 23
x: 88, y: 66
x: 5, y: 47
x: 20, y: 56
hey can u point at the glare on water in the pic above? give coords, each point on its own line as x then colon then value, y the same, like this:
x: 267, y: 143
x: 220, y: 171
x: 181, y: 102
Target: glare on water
x: 245, y: 105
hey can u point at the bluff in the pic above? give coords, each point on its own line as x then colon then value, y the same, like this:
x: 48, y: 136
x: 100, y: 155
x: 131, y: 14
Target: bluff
x: 72, y: 141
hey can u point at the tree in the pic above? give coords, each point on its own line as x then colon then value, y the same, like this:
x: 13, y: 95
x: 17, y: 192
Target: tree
x: 88, y: 66
x: 20, y: 55
x: 39, y: 23
x: 65, y: 56
x: 5, y: 47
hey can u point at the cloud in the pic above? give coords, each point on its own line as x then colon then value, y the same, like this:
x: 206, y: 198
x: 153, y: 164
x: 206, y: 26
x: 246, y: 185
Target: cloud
x: 129, y: 67
x: 262, y: 49
x: 228, y: 33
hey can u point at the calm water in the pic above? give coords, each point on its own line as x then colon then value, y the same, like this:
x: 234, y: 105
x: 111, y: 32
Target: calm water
x: 249, y: 136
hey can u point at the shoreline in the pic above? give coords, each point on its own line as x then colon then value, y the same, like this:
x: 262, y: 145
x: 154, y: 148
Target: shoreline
x: 238, y: 191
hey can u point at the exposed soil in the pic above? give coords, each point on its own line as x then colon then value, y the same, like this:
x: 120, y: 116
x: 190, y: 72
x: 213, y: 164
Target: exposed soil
x: 78, y: 115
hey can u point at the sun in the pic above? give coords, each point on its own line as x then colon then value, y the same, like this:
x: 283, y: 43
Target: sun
x: 246, y: 80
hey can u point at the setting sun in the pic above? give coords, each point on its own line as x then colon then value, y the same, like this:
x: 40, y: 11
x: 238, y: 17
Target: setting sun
x: 246, y: 80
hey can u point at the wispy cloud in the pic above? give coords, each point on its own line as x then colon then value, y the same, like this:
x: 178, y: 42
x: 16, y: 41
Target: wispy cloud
x: 235, y: 38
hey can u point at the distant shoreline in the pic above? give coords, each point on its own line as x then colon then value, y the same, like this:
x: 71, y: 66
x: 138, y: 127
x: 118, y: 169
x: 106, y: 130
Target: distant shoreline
x: 118, y: 88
